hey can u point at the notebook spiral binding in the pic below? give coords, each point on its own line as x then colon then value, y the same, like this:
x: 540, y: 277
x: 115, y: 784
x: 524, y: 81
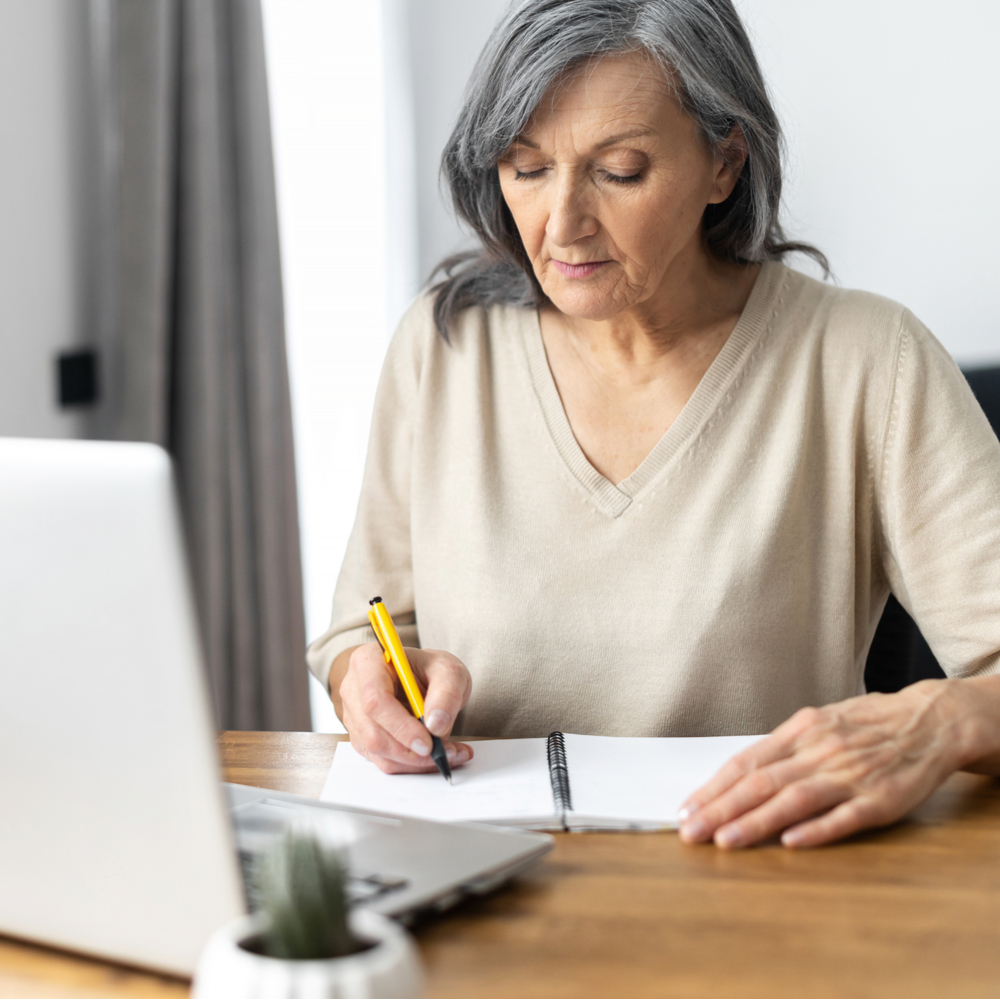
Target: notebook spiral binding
x: 559, y: 775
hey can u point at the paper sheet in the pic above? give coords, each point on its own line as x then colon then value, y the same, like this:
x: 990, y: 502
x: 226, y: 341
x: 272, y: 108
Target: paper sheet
x: 616, y: 779
x: 506, y: 780
x: 645, y: 779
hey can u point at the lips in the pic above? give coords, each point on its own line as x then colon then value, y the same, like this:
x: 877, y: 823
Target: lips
x: 578, y: 270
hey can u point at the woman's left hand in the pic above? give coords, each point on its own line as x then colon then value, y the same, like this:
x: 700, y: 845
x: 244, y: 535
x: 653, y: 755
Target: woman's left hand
x: 829, y: 772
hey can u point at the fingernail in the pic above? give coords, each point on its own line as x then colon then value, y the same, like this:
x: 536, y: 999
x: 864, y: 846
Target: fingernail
x: 437, y: 722
x: 694, y: 829
x: 421, y: 748
x: 728, y: 836
x: 458, y: 756
x: 685, y: 812
x: 792, y: 838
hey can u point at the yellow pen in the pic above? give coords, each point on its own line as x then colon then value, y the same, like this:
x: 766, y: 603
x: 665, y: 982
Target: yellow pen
x: 392, y: 648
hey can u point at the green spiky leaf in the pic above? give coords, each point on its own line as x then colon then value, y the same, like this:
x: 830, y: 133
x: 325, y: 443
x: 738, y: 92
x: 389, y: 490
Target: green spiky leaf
x: 300, y: 887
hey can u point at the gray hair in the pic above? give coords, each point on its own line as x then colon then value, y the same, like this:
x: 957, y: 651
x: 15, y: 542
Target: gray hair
x: 703, y: 48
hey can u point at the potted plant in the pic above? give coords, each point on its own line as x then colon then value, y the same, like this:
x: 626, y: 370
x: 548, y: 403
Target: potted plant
x: 304, y: 940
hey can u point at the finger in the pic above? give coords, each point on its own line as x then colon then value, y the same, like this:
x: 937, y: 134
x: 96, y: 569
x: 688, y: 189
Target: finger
x: 367, y: 666
x: 750, y: 792
x: 847, y: 818
x: 371, y: 741
x: 387, y: 712
x: 366, y: 689
x: 376, y: 743
x: 774, y: 747
x: 791, y: 805
x: 448, y: 687
x: 375, y: 699
x: 457, y: 756
x: 381, y: 747
x: 752, y: 761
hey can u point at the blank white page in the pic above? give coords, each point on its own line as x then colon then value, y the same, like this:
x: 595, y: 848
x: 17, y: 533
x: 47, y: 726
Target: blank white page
x: 645, y: 779
x: 506, y: 781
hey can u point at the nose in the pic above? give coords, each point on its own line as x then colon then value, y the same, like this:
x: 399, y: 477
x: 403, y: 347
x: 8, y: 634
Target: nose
x: 570, y: 217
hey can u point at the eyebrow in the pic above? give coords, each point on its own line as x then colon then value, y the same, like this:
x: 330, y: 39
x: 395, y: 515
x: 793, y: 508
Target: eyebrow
x: 621, y: 137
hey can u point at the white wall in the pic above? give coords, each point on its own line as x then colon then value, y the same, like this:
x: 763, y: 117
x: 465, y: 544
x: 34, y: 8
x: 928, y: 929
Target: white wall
x: 446, y: 37
x: 44, y: 204
x: 890, y: 113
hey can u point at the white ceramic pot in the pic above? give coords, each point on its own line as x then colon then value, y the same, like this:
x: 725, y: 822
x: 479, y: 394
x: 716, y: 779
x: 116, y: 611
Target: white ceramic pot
x: 389, y: 967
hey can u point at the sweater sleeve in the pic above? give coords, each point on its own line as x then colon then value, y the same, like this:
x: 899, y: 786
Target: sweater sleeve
x: 938, y: 501
x: 377, y: 560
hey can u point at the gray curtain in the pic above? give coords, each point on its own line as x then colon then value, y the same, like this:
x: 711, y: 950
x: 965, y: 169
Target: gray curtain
x: 197, y: 360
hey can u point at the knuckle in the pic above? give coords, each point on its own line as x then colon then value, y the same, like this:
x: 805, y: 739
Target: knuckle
x: 800, y: 797
x: 350, y: 723
x: 744, y: 762
x: 384, y: 743
x: 855, y: 812
x: 445, y: 684
x: 445, y: 665
x: 358, y: 659
x: 346, y: 689
x: 370, y: 699
x: 873, y: 812
x: 403, y: 727
x: 761, y: 784
x: 808, y: 717
x: 367, y: 660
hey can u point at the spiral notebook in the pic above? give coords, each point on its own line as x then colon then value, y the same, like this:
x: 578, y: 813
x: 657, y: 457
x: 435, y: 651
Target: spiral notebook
x: 563, y: 782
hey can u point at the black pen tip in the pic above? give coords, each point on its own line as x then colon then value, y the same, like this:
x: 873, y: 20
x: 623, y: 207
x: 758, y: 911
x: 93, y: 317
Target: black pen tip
x: 440, y: 757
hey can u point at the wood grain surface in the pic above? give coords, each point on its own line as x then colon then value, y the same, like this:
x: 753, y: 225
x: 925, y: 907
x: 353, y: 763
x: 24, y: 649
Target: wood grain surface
x: 911, y: 911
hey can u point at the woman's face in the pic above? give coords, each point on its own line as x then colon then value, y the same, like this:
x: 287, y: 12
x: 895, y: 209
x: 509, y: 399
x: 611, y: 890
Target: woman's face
x: 608, y: 185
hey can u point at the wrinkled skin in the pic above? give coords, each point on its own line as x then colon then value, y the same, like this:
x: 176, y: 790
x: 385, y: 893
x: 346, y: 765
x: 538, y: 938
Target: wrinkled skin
x: 829, y: 772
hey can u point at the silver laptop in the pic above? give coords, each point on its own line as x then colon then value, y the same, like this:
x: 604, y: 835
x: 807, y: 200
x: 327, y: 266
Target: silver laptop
x: 116, y: 836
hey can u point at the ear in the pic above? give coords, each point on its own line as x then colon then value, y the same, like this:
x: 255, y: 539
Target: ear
x: 730, y: 158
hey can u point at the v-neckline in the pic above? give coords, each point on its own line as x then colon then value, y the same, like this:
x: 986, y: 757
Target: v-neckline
x: 614, y: 499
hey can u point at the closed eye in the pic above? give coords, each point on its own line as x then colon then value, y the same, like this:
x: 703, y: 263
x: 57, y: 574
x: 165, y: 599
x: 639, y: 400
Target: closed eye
x: 623, y: 179
x: 527, y: 175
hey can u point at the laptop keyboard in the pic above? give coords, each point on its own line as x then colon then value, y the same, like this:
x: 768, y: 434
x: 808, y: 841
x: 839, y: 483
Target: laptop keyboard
x: 365, y: 888
x: 255, y: 827
x: 360, y: 889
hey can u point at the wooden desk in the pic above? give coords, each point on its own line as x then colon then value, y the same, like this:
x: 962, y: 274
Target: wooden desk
x: 913, y: 911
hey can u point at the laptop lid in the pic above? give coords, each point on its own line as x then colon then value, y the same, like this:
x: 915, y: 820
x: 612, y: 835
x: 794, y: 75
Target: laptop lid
x: 114, y: 838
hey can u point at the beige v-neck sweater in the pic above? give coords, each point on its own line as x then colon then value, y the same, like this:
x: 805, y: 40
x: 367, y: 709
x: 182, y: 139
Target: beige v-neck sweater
x: 832, y: 452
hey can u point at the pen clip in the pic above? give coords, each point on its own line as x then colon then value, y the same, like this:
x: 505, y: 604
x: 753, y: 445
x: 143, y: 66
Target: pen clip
x: 382, y: 641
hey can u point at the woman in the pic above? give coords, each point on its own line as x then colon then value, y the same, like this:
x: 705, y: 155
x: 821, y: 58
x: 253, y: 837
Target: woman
x: 631, y: 475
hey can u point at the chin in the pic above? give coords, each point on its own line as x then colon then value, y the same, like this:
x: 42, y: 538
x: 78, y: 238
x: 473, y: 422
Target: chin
x: 583, y: 304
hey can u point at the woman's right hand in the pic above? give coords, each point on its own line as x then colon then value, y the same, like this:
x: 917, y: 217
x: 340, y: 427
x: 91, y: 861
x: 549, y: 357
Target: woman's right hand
x: 371, y: 704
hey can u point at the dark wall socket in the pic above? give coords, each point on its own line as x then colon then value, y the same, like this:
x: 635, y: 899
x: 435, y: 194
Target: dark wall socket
x: 78, y: 378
